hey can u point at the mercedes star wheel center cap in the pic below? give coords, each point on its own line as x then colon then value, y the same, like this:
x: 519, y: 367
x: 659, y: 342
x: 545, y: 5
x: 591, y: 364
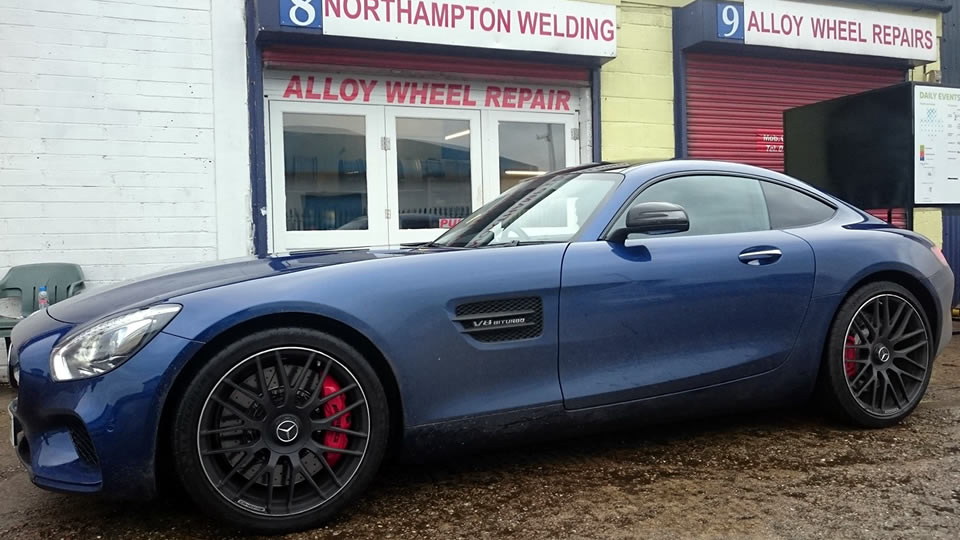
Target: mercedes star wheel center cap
x: 883, y: 354
x: 287, y: 431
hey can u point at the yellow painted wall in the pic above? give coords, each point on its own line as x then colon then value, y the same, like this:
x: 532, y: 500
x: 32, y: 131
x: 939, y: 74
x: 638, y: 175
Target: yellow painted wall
x: 636, y: 88
x: 929, y: 222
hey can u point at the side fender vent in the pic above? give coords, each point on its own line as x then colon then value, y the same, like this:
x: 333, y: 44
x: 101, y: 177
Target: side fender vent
x: 510, y: 319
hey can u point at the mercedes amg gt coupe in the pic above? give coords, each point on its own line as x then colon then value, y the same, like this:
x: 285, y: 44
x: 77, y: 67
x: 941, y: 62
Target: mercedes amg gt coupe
x: 606, y: 294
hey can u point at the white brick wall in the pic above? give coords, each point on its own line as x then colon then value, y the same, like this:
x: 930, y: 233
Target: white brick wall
x: 123, y: 134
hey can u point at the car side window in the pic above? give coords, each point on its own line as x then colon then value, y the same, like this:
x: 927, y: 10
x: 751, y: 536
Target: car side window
x: 791, y: 208
x: 714, y: 204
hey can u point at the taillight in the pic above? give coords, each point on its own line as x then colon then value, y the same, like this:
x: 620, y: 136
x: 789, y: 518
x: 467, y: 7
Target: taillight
x: 939, y: 254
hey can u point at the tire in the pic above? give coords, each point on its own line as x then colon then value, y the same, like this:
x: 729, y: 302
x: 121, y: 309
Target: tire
x: 876, y: 363
x: 241, y: 443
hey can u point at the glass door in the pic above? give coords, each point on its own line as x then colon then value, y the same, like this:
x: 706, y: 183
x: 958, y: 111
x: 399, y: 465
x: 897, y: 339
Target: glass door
x: 327, y: 173
x: 518, y: 146
x: 434, y: 177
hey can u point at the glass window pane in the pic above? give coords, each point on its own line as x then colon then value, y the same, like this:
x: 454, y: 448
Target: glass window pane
x: 325, y: 166
x: 790, y: 208
x: 714, y: 204
x: 529, y: 149
x: 433, y: 172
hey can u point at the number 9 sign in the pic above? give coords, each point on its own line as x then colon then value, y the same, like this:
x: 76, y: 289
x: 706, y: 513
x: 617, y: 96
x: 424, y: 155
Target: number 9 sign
x: 730, y: 21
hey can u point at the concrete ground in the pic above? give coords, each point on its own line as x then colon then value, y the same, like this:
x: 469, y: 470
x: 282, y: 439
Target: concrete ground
x: 770, y: 475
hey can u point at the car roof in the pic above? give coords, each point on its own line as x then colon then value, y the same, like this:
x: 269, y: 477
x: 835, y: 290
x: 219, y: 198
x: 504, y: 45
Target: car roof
x: 639, y: 172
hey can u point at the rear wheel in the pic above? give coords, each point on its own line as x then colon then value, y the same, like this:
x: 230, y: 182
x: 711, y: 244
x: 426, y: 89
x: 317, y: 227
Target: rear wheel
x: 280, y: 430
x: 879, y: 356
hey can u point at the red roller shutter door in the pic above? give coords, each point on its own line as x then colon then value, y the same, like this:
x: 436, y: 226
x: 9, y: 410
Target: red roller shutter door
x: 735, y: 104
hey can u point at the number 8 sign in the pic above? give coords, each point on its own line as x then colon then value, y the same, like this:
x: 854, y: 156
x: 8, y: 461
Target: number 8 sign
x: 730, y: 21
x: 302, y: 13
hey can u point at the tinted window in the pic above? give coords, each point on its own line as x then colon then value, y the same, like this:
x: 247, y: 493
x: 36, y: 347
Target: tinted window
x: 791, y: 208
x: 714, y: 204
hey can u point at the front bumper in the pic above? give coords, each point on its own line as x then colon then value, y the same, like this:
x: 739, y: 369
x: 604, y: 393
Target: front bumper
x: 97, y: 434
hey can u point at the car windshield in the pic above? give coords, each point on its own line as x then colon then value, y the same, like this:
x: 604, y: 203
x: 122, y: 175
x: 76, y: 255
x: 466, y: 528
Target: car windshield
x: 546, y: 209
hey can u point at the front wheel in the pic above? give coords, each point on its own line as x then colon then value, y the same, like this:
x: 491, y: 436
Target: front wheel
x: 280, y: 430
x: 878, y: 357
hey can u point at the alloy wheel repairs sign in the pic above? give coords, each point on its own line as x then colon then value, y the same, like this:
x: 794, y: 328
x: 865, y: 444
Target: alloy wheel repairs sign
x: 557, y: 26
x: 818, y: 27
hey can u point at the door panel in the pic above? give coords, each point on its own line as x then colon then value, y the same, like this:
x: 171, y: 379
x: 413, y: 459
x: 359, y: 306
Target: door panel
x: 664, y: 315
x: 328, y: 175
x: 433, y: 171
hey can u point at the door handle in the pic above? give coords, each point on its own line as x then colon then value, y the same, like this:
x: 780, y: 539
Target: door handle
x: 760, y: 255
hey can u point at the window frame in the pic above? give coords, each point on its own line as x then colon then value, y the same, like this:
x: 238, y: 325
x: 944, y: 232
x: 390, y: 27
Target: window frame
x: 625, y: 207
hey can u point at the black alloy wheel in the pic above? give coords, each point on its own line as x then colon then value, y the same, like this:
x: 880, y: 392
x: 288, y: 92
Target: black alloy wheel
x: 879, y: 357
x: 285, y: 436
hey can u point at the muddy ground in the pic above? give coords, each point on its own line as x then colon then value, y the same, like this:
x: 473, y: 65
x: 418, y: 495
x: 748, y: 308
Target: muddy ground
x: 786, y: 474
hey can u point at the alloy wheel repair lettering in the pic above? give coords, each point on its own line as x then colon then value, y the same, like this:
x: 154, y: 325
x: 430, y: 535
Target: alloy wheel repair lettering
x: 353, y: 90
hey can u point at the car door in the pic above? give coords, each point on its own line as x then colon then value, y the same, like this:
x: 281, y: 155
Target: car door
x: 664, y: 314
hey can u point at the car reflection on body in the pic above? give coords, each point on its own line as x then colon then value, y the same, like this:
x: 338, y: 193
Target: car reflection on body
x: 600, y: 295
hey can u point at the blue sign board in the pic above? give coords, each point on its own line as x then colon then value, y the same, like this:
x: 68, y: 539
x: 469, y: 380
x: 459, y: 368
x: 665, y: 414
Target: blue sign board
x: 730, y: 21
x: 301, y: 13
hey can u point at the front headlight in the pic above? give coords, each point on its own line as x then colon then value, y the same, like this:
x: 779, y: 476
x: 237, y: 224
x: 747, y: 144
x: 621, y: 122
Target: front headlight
x: 107, y: 344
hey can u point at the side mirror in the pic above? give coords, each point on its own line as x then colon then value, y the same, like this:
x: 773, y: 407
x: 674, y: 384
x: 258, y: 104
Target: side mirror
x: 652, y: 218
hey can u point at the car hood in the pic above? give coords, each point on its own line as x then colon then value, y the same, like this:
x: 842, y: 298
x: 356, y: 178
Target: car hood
x: 98, y: 303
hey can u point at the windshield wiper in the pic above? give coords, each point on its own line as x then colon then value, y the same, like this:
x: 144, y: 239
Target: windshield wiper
x: 514, y: 243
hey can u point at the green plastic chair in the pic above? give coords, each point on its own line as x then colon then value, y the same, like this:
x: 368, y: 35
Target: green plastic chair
x: 62, y: 280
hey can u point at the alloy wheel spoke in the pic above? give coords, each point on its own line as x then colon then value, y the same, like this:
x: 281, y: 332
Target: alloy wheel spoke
x: 332, y: 396
x: 893, y: 391
x: 230, y: 450
x: 866, y: 385
x: 910, y: 349
x: 863, y: 371
x: 301, y: 375
x: 350, y: 432
x: 865, y: 333
x: 317, y: 447
x: 291, y: 482
x: 326, y: 421
x: 903, y: 373
x: 235, y: 409
x: 261, y: 378
x: 895, y: 319
x: 327, y: 467
x: 220, y: 431
x: 319, y: 388
x: 885, y: 322
x: 876, y: 317
x: 241, y: 465
x: 282, y: 374
x: 253, y: 478
x: 913, y: 334
x: 306, y: 475
x: 245, y: 391
x: 271, y: 480
x: 883, y: 395
x: 912, y: 361
x: 902, y: 387
x: 902, y: 327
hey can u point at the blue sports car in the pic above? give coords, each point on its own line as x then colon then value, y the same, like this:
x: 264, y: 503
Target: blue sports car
x: 606, y: 294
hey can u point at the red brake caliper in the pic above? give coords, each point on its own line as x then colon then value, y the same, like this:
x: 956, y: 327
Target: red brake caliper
x: 849, y: 354
x: 330, y: 408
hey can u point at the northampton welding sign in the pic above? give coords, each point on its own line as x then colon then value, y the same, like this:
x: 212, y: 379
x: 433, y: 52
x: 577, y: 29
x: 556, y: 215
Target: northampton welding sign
x: 818, y: 27
x: 557, y: 26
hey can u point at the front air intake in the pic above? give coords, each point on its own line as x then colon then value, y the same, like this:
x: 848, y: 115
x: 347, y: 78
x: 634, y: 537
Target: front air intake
x: 509, y: 319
